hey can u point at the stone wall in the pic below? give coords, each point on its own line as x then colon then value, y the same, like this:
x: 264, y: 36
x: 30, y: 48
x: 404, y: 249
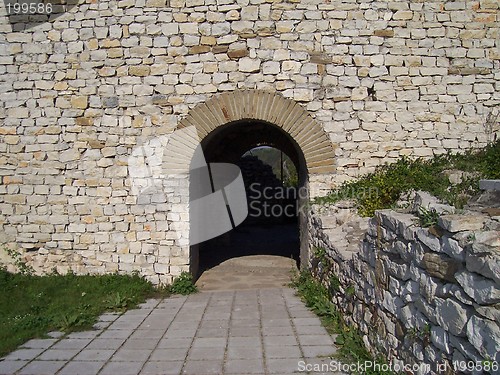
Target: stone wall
x: 81, y: 92
x: 419, y: 295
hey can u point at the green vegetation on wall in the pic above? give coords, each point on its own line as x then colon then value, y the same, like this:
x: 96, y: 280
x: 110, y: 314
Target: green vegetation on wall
x: 383, y: 188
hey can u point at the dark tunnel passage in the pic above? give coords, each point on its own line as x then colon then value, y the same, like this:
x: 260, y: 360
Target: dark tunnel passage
x: 275, y: 177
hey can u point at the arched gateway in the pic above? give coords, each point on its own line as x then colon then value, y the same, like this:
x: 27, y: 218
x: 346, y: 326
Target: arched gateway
x: 231, y: 123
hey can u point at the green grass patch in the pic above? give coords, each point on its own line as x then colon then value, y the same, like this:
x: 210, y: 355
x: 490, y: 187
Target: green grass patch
x: 382, y: 188
x: 317, y: 297
x: 31, y: 306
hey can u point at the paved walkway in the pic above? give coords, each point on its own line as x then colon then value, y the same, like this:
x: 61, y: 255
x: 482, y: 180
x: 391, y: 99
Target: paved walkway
x: 261, y: 331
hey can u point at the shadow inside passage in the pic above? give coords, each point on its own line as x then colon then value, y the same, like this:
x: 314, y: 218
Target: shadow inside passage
x: 251, y: 239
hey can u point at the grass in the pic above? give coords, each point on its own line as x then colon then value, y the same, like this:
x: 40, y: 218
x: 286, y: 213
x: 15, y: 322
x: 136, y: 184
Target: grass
x: 317, y: 297
x: 31, y: 306
x: 383, y: 188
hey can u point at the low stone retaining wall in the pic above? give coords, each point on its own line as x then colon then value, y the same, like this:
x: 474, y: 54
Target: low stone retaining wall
x: 418, y: 295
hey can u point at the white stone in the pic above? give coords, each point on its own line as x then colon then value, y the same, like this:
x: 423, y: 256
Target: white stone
x: 69, y: 155
x: 303, y: 95
x: 482, y: 290
x: 452, y: 316
x: 246, y: 64
x: 439, y: 338
x: 485, y: 336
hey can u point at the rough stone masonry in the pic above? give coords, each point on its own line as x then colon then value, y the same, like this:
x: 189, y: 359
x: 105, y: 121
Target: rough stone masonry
x: 418, y: 295
x: 80, y: 92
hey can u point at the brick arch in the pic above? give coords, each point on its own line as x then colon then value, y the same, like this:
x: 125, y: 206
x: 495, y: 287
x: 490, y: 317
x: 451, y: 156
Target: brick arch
x: 272, y: 108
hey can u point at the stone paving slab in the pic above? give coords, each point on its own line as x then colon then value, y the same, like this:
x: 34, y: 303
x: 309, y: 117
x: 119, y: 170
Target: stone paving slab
x: 260, y: 331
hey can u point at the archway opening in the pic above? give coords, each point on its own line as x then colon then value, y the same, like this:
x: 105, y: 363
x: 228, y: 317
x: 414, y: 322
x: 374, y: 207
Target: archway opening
x: 274, y: 172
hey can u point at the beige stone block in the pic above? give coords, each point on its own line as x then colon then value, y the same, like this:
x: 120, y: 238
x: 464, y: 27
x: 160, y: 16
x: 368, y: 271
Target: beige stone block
x: 69, y: 155
x: 84, y: 121
x: 139, y: 70
x: 232, y: 15
x: 220, y: 49
x: 250, y: 13
x: 18, y: 112
x: 156, y: 3
x: 208, y: 40
x: 362, y: 60
x: 54, y: 35
x: 11, y: 139
x: 403, y: 15
x: 359, y: 93
x: 194, y: 50
x: 7, y: 130
x: 303, y: 95
x: 7, y: 180
x: 107, y: 71
x: 79, y: 102
x: 384, y: 33
x: 114, y: 53
x: 238, y: 53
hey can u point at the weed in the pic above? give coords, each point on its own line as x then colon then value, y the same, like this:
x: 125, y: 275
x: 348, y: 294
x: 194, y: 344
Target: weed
x: 119, y: 301
x: 183, y: 284
x: 349, y: 291
x: 423, y: 334
x: 334, y: 284
x: 427, y: 218
x: 320, y: 253
x: 75, y: 320
x: 19, y: 262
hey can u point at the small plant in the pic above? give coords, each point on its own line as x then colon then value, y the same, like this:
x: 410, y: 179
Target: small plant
x: 320, y: 253
x: 183, y: 284
x: 413, y: 333
x: 334, y: 284
x: 119, y: 302
x: 423, y: 334
x: 350, y: 291
x: 76, y: 320
x: 427, y: 218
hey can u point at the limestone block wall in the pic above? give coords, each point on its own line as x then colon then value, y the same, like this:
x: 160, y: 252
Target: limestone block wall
x: 79, y: 93
x: 419, y: 295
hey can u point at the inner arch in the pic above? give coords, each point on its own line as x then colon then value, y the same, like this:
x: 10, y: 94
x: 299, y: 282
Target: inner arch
x: 274, y: 231
x: 229, y: 142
